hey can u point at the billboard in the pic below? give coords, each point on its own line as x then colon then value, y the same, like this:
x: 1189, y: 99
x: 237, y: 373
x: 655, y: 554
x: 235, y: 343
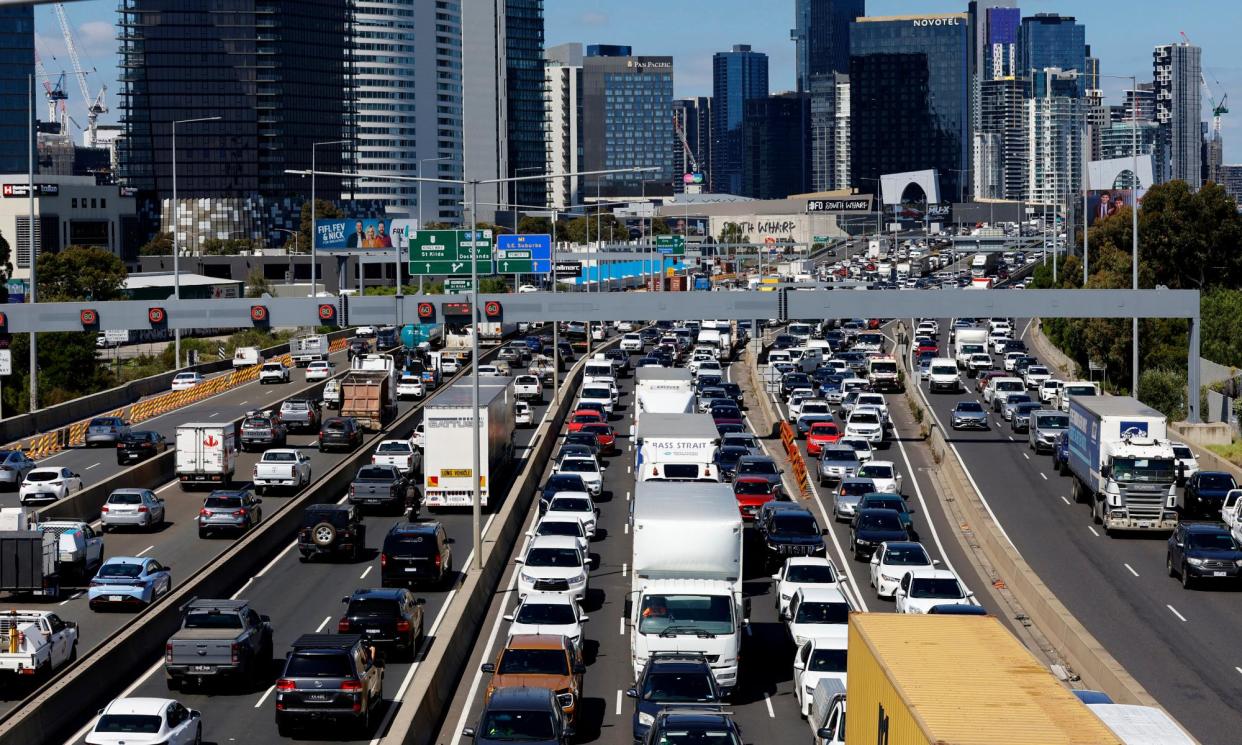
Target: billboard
x: 855, y: 205
x: 1103, y: 203
x: 357, y: 234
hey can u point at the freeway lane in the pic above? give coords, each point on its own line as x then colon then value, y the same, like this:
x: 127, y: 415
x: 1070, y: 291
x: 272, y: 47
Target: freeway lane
x: 1117, y: 587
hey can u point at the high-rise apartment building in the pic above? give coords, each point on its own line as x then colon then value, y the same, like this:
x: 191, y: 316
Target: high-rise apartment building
x: 776, y: 146
x: 1213, y: 154
x: 1050, y: 40
x: 1118, y: 140
x: 738, y: 76
x: 17, y: 51
x: 821, y: 36
x: 830, y: 131
x: 524, y: 94
x: 692, y: 117
x: 1054, y: 128
x: 627, y: 110
x: 1001, y: 141
x: 1176, y: 75
x: 995, y: 25
x: 485, y: 103
x: 563, y: 102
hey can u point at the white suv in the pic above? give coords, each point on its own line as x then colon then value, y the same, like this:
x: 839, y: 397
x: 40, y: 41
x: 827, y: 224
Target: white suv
x: 273, y: 372
x: 943, y: 376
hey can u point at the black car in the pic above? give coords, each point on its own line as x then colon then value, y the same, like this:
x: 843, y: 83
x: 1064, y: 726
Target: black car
x: 385, y: 618
x: 556, y: 483
x: 1013, y: 345
x: 671, y: 678
x: 759, y: 465
x: 1205, y: 493
x: 734, y: 392
x: 139, y: 445
x: 416, y: 553
x: 1203, y: 551
x: 620, y: 360
x: 795, y: 380
x: 331, y: 529
x: 873, y: 526
x: 523, y: 714
x: 329, y: 678
x: 694, y: 725
x: 726, y: 460
x: 339, y: 433
x: 788, y: 529
x: 359, y: 347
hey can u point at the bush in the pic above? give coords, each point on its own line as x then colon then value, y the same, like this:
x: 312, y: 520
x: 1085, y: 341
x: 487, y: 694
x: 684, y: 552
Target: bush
x: 1165, y: 391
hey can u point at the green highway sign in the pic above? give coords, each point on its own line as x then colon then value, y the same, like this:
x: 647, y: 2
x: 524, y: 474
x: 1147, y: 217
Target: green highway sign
x: 671, y: 245
x: 457, y: 285
x: 449, y: 251
x: 459, y: 267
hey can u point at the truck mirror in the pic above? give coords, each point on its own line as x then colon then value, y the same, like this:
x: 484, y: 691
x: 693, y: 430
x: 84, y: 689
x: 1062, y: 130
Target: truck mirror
x: 629, y: 607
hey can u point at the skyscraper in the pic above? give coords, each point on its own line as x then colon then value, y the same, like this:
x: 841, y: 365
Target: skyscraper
x: 1054, y: 125
x: 1052, y: 40
x: 910, y: 98
x: 693, y: 116
x: 17, y: 51
x: 1177, y: 76
x: 524, y: 91
x: 485, y: 102
x: 563, y: 85
x: 830, y: 131
x: 738, y: 76
x: 776, y: 147
x: 998, y: 155
x: 627, y: 112
x: 821, y: 36
x: 990, y: 29
x: 1001, y: 142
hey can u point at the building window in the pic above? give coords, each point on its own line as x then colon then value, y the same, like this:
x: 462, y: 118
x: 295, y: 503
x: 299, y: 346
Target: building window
x: 103, y: 203
x: 74, y: 203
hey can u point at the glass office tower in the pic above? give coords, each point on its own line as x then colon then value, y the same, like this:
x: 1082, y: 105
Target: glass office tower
x: 1051, y: 40
x: 627, y: 111
x: 16, y: 67
x: 527, y: 118
x: 738, y: 76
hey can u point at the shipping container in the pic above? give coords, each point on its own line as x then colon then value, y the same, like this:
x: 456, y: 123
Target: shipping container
x: 956, y: 680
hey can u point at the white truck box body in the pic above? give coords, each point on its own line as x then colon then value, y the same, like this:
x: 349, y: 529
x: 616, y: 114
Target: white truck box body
x: 963, y: 337
x: 310, y: 348
x: 206, y: 452
x: 1140, y: 725
x: 448, y: 455
x: 676, y: 438
x: 663, y: 390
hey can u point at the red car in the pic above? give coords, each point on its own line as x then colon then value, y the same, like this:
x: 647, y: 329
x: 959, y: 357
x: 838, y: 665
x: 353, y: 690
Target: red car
x: 583, y: 417
x: 821, y: 434
x: 927, y: 346
x: 753, y: 492
x: 604, y: 435
x: 873, y: 323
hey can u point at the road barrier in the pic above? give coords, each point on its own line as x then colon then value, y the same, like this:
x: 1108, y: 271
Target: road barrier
x: 790, y: 440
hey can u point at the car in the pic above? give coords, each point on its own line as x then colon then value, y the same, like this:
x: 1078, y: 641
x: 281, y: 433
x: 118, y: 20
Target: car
x: 559, y: 482
x: 588, y: 469
x: 230, y: 510
x: 184, y: 381
x: 1060, y: 454
x: 410, y: 385
x: 302, y: 414
x: 1187, y: 463
x: 14, y: 465
x: 273, y: 372
x: 865, y: 422
x: 358, y: 348
x: 1035, y: 376
x: 1049, y: 389
x: 528, y: 388
x: 1011, y: 359
x: 883, y: 474
x: 385, y: 618
x: 693, y: 725
x: 554, y: 564
x: 803, y: 571
x: 135, y: 446
x: 821, y: 434
x: 816, y: 659
x: 632, y: 343
x: 871, y: 527
x: 398, y: 453
x: 128, y: 581
x: 219, y: 640
x: 969, y: 415
x: 836, y: 462
x: 752, y: 492
x: 760, y: 466
x: 668, y: 680
x: 922, y: 589
x: 847, y: 495
x: 985, y: 378
x: 416, y: 553
x: 1203, y: 551
x: 329, y: 677
x: 1009, y: 404
x: 339, y: 433
x: 48, y: 484
x: 726, y: 458
x: 743, y: 439
x: 105, y: 430
x: 575, y: 505
x: 817, y: 612
x: 146, y: 720
x: 583, y: 416
x: 788, y: 529
x: 137, y: 508
x: 891, y: 561
x: 319, y: 370
x: 1205, y: 493
x: 523, y: 415
x: 383, y: 486
x: 889, y: 501
x: 527, y: 714
x: 331, y: 530
x: 261, y: 430
x: 605, y: 437
x: 549, y: 613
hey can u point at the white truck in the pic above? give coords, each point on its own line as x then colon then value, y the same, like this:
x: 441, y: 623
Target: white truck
x: 662, y: 390
x: 874, y: 247
x: 281, y: 468
x: 1075, y: 388
x: 686, y: 576
x: 676, y: 447
x: 967, y: 342
x: 1141, y: 725
x: 1122, y: 463
x: 309, y: 348
x: 882, y: 374
x: 35, y: 643
x: 206, y: 453
x: 448, y: 464
x: 246, y: 357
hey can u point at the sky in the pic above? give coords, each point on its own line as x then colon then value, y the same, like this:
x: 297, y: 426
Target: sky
x: 1121, y: 35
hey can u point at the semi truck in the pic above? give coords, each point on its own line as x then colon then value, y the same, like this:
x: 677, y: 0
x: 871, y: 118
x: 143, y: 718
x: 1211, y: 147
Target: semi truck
x: 924, y: 679
x: 369, y: 390
x: 309, y: 348
x: 448, y: 463
x: 662, y: 390
x: 676, y: 447
x: 1122, y: 463
x: 422, y: 335
x: 686, y: 576
x: 984, y: 264
x: 207, y: 453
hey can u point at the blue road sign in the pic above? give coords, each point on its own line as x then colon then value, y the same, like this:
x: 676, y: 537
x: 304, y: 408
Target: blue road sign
x: 523, y: 254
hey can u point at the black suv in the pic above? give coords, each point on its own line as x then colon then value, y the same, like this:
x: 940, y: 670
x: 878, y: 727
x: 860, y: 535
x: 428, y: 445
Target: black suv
x: 531, y: 715
x: 416, y: 553
x: 671, y: 678
x: 332, y: 529
x: 788, y: 529
x: 699, y: 724
x: 260, y: 431
x: 339, y: 432
x: 385, y: 618
x: 1203, y: 551
x: 139, y: 445
x: 329, y: 677
x: 871, y: 527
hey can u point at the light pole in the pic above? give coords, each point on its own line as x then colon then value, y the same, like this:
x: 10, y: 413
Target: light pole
x: 420, y: 204
x: 291, y: 253
x: 34, y: 257
x: 314, y: 211
x: 176, y: 215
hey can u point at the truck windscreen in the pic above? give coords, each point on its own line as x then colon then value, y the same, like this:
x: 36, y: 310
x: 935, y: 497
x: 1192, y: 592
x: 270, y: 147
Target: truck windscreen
x: 1152, y: 470
x: 686, y: 614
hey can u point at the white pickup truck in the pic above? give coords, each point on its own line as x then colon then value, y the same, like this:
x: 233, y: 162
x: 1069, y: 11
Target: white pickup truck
x: 400, y: 454
x: 1231, y: 512
x: 35, y: 643
x: 281, y: 468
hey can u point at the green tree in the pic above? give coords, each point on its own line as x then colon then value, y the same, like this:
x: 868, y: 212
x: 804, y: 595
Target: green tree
x: 534, y: 225
x: 1221, y: 314
x: 1190, y: 239
x: 493, y: 285
x: 81, y: 273
x: 1165, y: 391
x: 161, y: 244
x: 732, y: 233
x: 256, y: 284
x: 659, y: 226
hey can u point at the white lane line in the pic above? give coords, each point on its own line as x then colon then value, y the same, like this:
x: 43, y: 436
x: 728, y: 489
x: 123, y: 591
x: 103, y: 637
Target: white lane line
x: 143, y: 551
x: 768, y: 701
x: 1097, y: 535
x: 618, y: 702
x: 621, y: 625
x: 627, y: 496
x: 1239, y: 669
x: 93, y: 465
x: 624, y: 568
x: 75, y: 596
x: 1045, y: 478
x: 365, y: 572
x: 1174, y: 610
x: 322, y: 625
x: 213, y: 414
x: 627, y: 528
x: 263, y: 698
x: 1063, y: 499
x: 1127, y: 566
x: 931, y: 524
x: 1024, y: 455
x: 242, y: 588
x: 1013, y: 440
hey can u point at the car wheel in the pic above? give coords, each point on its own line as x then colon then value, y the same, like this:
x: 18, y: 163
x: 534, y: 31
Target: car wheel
x: 198, y: 735
x: 284, y: 729
x: 1187, y: 580
x: 1168, y: 565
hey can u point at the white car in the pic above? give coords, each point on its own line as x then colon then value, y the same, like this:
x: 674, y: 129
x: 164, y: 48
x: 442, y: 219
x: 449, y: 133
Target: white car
x: 589, y: 469
x: 320, y: 370
x: 866, y: 423
x: 273, y: 372
x: 548, y: 613
x: 523, y: 415
x: 794, y: 403
x: 528, y: 288
x: 877, y: 400
x: 1049, y: 389
x: 1185, y: 458
x: 892, y: 560
x: 332, y: 393
x: 698, y: 359
x: 632, y: 343
x: 997, y: 340
x: 575, y: 505
x: 410, y: 386
x: 922, y: 589
x: 594, y: 393
x: 554, y: 564
x: 861, y: 446
x: 709, y: 367
x: 134, y: 721
x: 186, y: 380
x: 48, y: 484
x: 803, y: 571
x: 1035, y: 376
x: 416, y: 437
x: 561, y: 523
x: 625, y: 326
x: 816, y: 659
x: 883, y: 473
x: 1011, y: 358
x: 363, y: 332
x: 817, y: 612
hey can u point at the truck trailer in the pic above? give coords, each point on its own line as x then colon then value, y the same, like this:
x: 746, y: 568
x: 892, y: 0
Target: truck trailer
x: 662, y: 390
x: 448, y: 462
x: 676, y: 447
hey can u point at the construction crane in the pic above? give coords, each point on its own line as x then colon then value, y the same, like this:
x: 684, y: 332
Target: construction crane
x: 681, y: 135
x: 55, y: 93
x: 94, y: 104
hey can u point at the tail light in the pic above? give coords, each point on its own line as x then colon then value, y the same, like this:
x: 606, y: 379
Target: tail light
x: 240, y: 513
x: 372, y: 460
x: 403, y: 627
x: 284, y: 684
x: 119, y: 446
x: 383, y: 560
x: 342, y: 626
x: 143, y: 509
x: 352, y: 490
x: 353, y: 686
x: 437, y: 561
x: 204, y: 513
x: 168, y: 655
x: 254, y: 473
x: 235, y: 653
x: 103, y: 508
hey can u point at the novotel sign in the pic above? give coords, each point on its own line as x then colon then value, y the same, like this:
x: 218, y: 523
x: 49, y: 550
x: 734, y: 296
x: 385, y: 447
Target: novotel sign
x: 937, y: 22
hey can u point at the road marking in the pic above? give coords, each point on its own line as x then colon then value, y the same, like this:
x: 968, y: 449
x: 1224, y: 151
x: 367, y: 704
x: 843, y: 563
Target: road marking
x: 143, y: 551
x: 91, y: 466
x: 627, y: 496
x: 618, y: 702
x: 1013, y: 440
x: 1174, y: 610
x: 1097, y: 535
x: 325, y: 623
x: 768, y: 701
x: 931, y: 524
x: 1024, y: 455
x: 627, y: 528
x: 1044, y: 476
x: 624, y: 568
x: 1063, y: 499
x: 365, y: 572
x: 213, y: 414
x: 621, y: 625
x: 1239, y: 669
x: 1127, y: 566
x: 75, y: 596
x: 629, y: 469
x: 263, y: 698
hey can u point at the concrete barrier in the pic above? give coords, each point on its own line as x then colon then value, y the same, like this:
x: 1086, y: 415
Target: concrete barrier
x: 85, y: 504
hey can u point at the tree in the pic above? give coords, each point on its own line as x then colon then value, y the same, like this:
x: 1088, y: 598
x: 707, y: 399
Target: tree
x: 659, y: 226
x: 493, y: 285
x: 161, y: 244
x: 256, y: 284
x: 1164, y: 391
x: 1190, y: 240
x: 81, y: 273
x: 534, y: 225
x: 732, y: 233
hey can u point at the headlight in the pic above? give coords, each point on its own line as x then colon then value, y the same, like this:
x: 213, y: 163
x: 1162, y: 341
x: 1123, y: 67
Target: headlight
x: 1194, y: 562
x: 1238, y: 563
x: 887, y: 578
x: 645, y: 719
x: 790, y: 597
x: 581, y: 577
x: 528, y: 578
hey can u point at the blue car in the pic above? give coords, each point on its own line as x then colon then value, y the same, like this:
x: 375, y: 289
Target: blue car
x: 534, y: 344
x: 671, y: 679
x: 1205, y: 493
x: 129, y: 581
x: 1060, y: 454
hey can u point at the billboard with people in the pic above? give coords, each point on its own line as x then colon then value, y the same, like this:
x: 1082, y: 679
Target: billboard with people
x: 1105, y: 203
x: 357, y: 234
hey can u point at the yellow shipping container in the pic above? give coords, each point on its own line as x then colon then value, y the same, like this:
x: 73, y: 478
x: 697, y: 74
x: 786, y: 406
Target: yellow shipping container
x: 956, y: 680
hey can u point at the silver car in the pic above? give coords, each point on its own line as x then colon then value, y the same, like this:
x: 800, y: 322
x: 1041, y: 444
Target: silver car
x: 232, y: 510
x: 136, y: 508
x: 14, y: 465
x: 106, y: 430
x: 969, y: 415
x: 837, y: 463
x: 847, y: 495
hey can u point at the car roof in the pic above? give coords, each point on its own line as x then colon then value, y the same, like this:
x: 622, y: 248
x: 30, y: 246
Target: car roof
x: 809, y: 560
x: 535, y: 641
x: 575, y: 494
x: 418, y: 528
x: 1215, y: 528
x: 822, y: 593
x: 143, y: 706
x: 926, y: 572
x: 553, y: 541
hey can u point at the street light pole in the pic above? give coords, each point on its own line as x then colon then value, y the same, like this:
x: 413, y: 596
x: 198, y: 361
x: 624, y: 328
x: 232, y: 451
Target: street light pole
x: 176, y: 218
x: 314, y: 212
x: 1134, y: 364
x: 291, y: 253
x: 420, y: 203
x: 34, y: 257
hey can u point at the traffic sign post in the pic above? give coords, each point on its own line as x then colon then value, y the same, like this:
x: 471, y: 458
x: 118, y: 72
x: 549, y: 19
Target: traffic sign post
x: 671, y: 245
x: 524, y: 254
x: 449, y: 252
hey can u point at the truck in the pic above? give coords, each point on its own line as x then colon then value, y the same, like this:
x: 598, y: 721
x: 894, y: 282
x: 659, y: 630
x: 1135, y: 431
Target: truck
x: 422, y: 336
x: 287, y: 468
x: 369, y: 390
x: 28, y: 559
x: 662, y: 390
x: 309, y: 348
x: 827, y: 718
x: 967, y: 342
x: 882, y: 374
x: 1122, y: 463
x: 984, y: 264
x: 218, y: 639
x: 676, y: 447
x: 35, y: 643
x: 207, y: 453
x: 924, y: 679
x: 448, y: 466
x: 246, y: 357
x: 686, y: 576
x: 1141, y: 725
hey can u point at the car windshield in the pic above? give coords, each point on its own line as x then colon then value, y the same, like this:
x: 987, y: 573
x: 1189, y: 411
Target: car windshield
x: 1009, y: 385
x: 134, y: 724
x: 906, y: 556
x: 394, y: 447
x: 553, y: 557
x: 827, y: 661
x: 120, y: 570
x: 684, y: 688
x: 1036, y: 370
x: 811, y: 574
x: 857, y: 488
x: 374, y: 473
x: 765, y: 467
x: 795, y: 524
x: 935, y: 588
x: 944, y: 370
x: 596, y: 393
x: 571, y: 528
x: 517, y: 726
x: 835, y: 454
x: 876, y: 471
x: 578, y: 465
x: 686, y: 614
x: 213, y: 619
x: 1079, y: 390
x: 546, y: 613
x: 336, y: 425
x: 824, y: 428
x: 1221, y: 541
x: 1143, y: 469
x: 565, y: 482
x: 970, y: 407
x: 105, y: 422
x: 755, y: 488
x: 815, y: 612
x: 43, y: 475
x: 864, y: 417
x: 879, y: 522
x: 1055, y: 421
x: 1216, y: 481
x: 1183, y: 452
x: 885, y: 503
x: 125, y: 498
x: 570, y: 504
x: 303, y: 665
x: 884, y: 367
x: 257, y: 423
x: 534, y: 662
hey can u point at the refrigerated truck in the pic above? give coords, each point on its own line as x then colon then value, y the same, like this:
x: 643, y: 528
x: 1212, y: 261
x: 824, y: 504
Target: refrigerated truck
x: 662, y: 390
x: 1122, y: 463
x: 924, y: 679
x: 448, y: 459
x: 676, y: 447
x: 686, y: 576
x: 207, y: 453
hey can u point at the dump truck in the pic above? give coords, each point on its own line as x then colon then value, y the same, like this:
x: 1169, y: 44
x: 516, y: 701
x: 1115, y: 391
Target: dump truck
x: 369, y: 390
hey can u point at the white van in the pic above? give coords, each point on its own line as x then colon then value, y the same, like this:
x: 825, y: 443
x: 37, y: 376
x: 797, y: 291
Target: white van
x: 246, y: 357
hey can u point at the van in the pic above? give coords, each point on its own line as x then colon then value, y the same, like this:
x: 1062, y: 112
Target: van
x: 246, y: 357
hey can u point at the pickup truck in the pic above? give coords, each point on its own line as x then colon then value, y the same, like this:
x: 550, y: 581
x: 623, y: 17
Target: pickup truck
x: 541, y: 366
x: 283, y: 467
x: 301, y: 414
x: 1231, y: 512
x: 261, y: 430
x: 527, y: 388
x: 399, y: 453
x: 381, y: 486
x: 218, y: 638
x: 273, y: 372
x: 35, y: 643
